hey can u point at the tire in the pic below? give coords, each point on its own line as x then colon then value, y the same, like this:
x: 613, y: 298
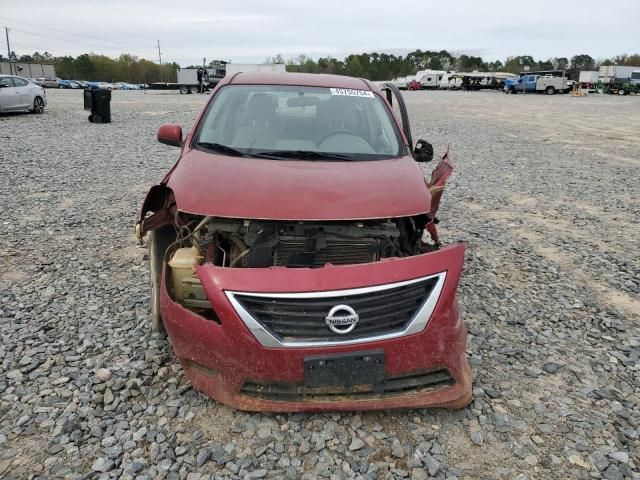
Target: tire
x: 159, y: 241
x: 184, y: 90
x: 621, y: 92
x: 194, y: 89
x: 550, y: 90
x: 38, y: 105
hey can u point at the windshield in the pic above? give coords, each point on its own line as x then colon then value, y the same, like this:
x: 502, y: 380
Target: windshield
x: 279, y: 121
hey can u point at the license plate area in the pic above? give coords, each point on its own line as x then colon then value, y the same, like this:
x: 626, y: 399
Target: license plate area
x: 345, y: 369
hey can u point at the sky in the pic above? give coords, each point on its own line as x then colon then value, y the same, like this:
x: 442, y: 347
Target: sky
x: 249, y: 31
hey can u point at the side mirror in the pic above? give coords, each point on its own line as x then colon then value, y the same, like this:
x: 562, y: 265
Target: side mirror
x: 170, y: 134
x: 423, y: 151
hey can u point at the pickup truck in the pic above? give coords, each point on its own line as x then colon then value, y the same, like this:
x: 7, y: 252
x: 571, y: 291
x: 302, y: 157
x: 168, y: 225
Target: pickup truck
x: 536, y: 83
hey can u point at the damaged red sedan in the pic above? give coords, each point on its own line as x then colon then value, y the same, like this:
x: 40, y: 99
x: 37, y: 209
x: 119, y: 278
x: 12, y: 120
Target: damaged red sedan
x: 294, y: 257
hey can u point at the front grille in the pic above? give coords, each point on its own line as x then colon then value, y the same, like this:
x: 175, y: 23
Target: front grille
x: 303, y: 318
x: 412, y: 384
x: 294, y: 252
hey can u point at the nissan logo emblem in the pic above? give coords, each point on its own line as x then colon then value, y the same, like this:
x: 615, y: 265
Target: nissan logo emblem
x: 342, y: 319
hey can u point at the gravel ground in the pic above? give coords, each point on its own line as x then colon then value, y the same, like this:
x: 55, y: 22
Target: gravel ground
x: 545, y: 192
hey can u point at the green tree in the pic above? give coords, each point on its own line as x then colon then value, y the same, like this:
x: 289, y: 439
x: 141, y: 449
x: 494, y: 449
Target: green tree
x: 633, y: 60
x: 560, y: 63
x: 579, y: 63
x: 516, y: 64
x: 548, y: 65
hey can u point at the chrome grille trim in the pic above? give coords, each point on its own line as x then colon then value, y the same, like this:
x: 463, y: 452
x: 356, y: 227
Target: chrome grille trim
x: 416, y: 325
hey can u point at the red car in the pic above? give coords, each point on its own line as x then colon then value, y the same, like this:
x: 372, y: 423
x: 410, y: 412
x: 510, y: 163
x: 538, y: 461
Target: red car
x: 294, y: 257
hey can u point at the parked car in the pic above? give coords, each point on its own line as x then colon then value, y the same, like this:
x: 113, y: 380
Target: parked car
x: 68, y: 84
x: 102, y: 85
x: 82, y: 83
x: 49, y: 82
x: 19, y: 94
x: 293, y: 251
x: 125, y: 86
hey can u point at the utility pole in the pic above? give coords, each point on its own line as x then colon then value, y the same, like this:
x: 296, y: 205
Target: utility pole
x: 6, y: 31
x: 160, y: 60
x: 204, y: 62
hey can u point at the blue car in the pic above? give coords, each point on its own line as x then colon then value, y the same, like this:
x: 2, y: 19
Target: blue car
x: 67, y: 84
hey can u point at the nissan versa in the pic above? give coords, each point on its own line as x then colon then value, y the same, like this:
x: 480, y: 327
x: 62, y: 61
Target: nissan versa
x: 294, y: 257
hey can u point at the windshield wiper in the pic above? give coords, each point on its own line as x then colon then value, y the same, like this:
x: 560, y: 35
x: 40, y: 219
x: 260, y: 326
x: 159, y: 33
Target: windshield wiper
x: 301, y: 154
x: 220, y: 148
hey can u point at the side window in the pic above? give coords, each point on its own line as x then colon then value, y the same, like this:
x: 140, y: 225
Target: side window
x: 20, y: 82
x: 6, y: 82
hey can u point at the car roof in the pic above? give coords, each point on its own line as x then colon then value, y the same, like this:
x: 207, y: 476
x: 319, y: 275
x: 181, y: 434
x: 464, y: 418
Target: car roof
x: 299, y: 79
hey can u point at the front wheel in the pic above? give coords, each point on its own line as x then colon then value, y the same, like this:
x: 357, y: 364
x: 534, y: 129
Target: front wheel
x: 159, y: 240
x: 38, y: 105
x: 550, y: 90
x: 622, y: 92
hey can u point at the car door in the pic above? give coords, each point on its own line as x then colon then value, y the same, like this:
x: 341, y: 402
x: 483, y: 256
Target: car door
x: 9, y: 94
x: 24, y: 91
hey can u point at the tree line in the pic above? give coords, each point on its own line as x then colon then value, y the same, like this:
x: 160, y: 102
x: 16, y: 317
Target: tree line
x: 91, y: 66
x: 382, y: 66
x: 374, y: 66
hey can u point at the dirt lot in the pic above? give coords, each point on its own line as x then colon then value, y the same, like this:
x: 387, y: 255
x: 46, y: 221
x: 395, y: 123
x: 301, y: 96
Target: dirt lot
x: 546, y: 193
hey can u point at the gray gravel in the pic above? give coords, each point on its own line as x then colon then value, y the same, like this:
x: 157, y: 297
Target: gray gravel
x: 545, y: 192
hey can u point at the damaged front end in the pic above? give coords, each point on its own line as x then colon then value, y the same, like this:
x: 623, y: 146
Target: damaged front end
x: 247, y: 303
x: 326, y: 288
x: 232, y: 243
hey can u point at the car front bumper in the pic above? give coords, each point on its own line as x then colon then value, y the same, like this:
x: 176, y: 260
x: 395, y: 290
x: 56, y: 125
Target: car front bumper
x: 225, y: 361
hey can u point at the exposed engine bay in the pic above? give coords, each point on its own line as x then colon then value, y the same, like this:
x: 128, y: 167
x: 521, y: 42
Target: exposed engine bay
x: 234, y: 243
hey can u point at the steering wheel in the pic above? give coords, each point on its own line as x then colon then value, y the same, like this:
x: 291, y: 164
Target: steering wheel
x: 343, y: 131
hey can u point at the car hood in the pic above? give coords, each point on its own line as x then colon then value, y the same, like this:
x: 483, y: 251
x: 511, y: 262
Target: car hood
x: 235, y: 187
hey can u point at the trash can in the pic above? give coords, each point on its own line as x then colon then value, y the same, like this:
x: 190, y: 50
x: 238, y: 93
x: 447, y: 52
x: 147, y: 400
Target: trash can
x: 98, y: 101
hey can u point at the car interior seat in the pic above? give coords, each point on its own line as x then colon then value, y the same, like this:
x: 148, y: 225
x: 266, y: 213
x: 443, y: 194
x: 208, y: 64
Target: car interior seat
x: 259, y: 124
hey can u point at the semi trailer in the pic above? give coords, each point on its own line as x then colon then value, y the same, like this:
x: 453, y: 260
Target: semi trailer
x: 588, y: 79
x: 204, y: 79
x: 196, y: 80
